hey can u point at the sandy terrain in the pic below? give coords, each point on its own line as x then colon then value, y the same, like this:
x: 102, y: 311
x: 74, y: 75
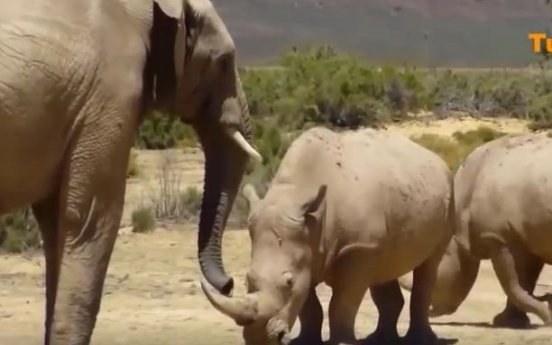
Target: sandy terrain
x: 425, y: 124
x: 152, y: 295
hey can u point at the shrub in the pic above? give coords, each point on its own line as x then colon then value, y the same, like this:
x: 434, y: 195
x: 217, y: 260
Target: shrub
x: 190, y: 202
x: 476, y: 137
x: 188, y: 137
x: 540, y: 112
x: 446, y: 148
x: 19, y: 232
x: 456, y: 149
x: 319, y: 85
x: 143, y: 220
x: 166, y: 200
x: 160, y: 131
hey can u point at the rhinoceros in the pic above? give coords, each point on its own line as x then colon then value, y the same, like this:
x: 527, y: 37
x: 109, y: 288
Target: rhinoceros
x: 356, y: 210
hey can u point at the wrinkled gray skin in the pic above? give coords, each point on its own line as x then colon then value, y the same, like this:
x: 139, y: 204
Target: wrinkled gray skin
x: 503, y: 197
x: 76, y: 79
x: 355, y: 210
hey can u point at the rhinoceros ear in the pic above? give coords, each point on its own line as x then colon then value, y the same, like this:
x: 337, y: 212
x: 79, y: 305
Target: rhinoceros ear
x: 172, y: 8
x: 250, y: 195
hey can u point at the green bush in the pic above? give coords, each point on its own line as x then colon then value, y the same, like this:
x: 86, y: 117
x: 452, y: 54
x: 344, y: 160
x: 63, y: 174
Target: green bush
x: 19, y: 232
x: 446, y: 148
x: 143, y: 220
x: 478, y: 136
x: 188, y: 137
x: 540, y: 112
x: 319, y: 85
x: 190, y: 202
x: 160, y: 131
x: 456, y: 149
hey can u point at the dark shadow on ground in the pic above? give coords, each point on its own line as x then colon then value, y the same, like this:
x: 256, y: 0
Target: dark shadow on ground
x: 402, y: 341
x: 440, y: 341
x: 477, y: 324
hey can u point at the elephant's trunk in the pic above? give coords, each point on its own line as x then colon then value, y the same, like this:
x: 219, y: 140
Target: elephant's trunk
x: 226, y: 149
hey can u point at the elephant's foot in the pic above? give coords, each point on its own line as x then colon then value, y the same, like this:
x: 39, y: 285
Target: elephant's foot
x: 420, y: 336
x: 512, y: 318
x: 307, y: 339
x: 380, y: 337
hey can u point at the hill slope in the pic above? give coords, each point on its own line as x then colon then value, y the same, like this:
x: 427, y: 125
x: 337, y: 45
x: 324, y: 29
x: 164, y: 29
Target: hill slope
x: 470, y: 33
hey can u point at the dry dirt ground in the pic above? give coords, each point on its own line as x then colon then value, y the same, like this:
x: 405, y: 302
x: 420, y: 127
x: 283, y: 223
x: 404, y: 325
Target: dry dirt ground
x: 152, y: 295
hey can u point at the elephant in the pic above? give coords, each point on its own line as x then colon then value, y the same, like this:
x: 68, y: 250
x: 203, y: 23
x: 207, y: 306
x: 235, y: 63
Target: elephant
x: 354, y: 210
x: 503, y: 206
x: 77, y: 77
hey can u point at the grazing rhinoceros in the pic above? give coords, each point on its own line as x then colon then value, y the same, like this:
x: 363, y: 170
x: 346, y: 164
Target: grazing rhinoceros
x: 355, y: 210
x: 503, y: 196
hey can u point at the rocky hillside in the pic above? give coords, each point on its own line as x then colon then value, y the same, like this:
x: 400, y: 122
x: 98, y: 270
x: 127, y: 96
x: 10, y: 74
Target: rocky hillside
x: 468, y: 33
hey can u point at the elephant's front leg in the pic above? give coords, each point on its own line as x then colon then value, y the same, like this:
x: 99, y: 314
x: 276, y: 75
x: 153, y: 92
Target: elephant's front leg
x: 91, y: 199
x: 46, y: 213
x: 348, y: 289
x: 311, y: 318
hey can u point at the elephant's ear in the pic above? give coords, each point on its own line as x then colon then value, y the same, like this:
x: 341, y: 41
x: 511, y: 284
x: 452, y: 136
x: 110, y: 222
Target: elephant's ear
x: 208, y: 33
x: 208, y: 75
x: 165, y: 31
x: 171, y: 8
x: 315, y: 206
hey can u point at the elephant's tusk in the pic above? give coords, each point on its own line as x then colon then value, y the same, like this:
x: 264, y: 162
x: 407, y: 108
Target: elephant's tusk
x: 240, y: 140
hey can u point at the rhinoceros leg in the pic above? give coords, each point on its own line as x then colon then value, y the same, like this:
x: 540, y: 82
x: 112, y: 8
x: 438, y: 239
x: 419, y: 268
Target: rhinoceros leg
x: 311, y: 318
x: 389, y: 301
x: 528, y: 268
x: 424, y: 276
x: 504, y: 264
x: 348, y: 290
